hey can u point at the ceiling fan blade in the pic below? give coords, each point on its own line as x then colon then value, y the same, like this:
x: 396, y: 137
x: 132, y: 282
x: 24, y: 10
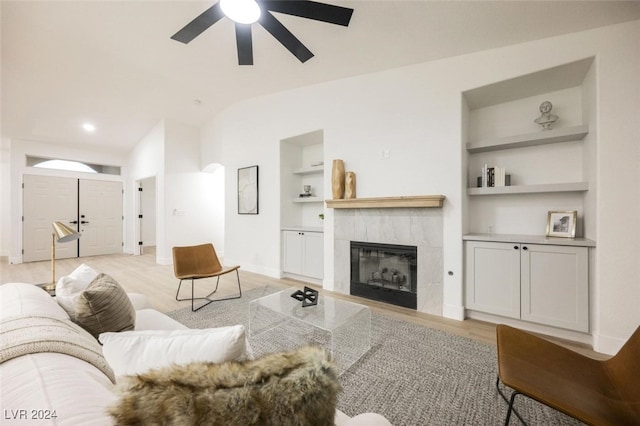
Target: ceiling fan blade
x: 245, y: 44
x: 311, y: 10
x: 196, y: 27
x: 284, y: 36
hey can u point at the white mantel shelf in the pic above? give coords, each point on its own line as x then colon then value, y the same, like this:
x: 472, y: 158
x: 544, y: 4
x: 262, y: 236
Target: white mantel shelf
x: 424, y: 201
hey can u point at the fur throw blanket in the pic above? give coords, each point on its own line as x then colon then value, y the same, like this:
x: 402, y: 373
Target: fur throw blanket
x: 297, y: 388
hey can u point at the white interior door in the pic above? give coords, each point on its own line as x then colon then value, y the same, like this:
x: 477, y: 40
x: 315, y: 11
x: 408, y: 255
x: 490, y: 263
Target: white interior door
x: 47, y: 199
x: 100, y: 217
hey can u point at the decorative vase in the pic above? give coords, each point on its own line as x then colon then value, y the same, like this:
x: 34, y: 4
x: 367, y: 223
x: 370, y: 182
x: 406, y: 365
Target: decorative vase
x: 350, y: 185
x: 337, y: 179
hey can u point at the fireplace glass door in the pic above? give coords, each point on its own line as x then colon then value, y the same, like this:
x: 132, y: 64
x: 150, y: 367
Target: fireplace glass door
x: 384, y: 272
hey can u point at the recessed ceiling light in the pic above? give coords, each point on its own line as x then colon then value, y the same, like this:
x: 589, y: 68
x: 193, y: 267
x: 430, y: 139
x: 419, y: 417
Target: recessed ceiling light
x: 88, y: 127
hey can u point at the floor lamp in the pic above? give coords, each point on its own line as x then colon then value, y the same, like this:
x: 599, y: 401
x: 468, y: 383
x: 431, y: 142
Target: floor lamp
x: 61, y: 234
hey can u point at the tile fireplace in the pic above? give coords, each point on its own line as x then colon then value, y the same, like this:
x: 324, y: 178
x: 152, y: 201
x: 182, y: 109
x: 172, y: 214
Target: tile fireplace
x: 396, y: 225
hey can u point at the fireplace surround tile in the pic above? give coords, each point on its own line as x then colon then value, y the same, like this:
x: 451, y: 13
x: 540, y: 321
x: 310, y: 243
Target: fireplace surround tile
x: 419, y: 227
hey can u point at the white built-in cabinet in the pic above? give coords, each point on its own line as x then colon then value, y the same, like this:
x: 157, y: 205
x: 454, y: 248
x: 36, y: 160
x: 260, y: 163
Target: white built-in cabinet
x: 301, y: 217
x: 540, y: 283
x: 303, y: 253
x: 512, y: 271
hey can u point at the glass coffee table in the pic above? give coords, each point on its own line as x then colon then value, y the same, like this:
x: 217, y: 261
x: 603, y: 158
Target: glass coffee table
x: 278, y: 322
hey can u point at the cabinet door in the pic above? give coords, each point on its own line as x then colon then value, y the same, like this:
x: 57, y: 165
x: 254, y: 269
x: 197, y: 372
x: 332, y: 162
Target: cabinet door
x: 555, y: 286
x: 313, y: 265
x: 292, y: 252
x: 492, y: 278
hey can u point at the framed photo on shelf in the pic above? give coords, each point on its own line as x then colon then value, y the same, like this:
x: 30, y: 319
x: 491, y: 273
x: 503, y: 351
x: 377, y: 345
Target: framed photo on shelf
x: 562, y: 223
x: 248, y: 190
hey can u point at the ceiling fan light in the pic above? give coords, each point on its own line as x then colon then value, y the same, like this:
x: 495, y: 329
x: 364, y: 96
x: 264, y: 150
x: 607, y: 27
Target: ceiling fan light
x: 241, y: 11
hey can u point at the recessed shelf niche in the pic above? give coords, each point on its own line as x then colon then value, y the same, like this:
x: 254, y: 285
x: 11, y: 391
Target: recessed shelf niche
x: 550, y: 169
x: 301, y: 163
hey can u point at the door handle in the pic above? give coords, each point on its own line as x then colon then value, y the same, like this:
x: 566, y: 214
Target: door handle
x: 75, y: 222
x: 83, y: 222
x: 515, y: 247
x: 525, y: 248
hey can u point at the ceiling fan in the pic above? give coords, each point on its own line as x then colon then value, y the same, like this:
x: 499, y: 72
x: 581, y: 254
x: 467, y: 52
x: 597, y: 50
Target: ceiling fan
x: 302, y: 8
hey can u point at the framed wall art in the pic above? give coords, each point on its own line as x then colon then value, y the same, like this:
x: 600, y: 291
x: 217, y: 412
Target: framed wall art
x: 562, y: 223
x: 248, y: 190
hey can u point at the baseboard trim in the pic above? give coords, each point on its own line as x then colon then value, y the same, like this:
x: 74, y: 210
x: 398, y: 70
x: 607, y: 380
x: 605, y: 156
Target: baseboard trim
x: 303, y: 279
x: 574, y: 336
x: 453, y: 312
x: 607, y: 344
x: 270, y: 272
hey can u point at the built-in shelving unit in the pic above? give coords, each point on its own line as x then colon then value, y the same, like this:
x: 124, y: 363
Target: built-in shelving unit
x: 308, y: 170
x: 531, y: 189
x: 301, y: 223
x: 549, y: 169
x: 507, y: 255
x: 306, y: 200
x: 530, y: 139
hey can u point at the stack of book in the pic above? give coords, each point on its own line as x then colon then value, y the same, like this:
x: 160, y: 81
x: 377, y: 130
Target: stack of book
x: 493, y: 176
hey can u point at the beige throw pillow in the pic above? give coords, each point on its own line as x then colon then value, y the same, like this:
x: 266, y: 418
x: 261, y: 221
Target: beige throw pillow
x: 104, y: 306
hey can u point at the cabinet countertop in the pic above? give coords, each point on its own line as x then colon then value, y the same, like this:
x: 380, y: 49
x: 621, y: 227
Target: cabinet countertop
x: 301, y: 228
x: 530, y: 239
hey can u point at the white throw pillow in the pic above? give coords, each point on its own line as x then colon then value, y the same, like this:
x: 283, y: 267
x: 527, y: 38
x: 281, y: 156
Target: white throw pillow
x: 70, y: 286
x: 135, y: 352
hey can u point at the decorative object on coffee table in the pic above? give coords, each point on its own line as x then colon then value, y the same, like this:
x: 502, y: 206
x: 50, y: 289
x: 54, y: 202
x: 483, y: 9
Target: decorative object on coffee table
x: 546, y: 119
x: 350, y: 185
x: 308, y: 296
x: 337, y: 179
x: 343, y: 328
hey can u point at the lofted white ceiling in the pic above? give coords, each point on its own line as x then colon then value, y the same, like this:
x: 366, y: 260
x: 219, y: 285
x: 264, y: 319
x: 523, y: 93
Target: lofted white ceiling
x: 113, y: 63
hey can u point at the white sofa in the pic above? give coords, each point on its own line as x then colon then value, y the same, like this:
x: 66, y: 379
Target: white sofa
x: 36, y: 386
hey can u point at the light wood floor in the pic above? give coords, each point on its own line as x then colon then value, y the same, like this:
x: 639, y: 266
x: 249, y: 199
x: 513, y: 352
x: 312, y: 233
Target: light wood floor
x: 140, y: 274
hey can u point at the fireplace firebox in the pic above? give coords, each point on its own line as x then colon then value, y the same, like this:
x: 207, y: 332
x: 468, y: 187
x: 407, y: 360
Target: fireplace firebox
x: 385, y: 272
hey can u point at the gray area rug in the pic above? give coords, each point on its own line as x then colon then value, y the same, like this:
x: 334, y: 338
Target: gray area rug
x: 413, y: 375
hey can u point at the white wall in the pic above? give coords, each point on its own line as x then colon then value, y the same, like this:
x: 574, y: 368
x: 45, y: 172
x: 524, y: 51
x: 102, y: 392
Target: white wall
x: 190, y: 193
x: 618, y: 169
x: 416, y: 112
x: 186, y: 197
x: 144, y: 161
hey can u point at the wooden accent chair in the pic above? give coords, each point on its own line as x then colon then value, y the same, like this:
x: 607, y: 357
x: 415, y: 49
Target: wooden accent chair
x: 198, y: 262
x: 592, y: 391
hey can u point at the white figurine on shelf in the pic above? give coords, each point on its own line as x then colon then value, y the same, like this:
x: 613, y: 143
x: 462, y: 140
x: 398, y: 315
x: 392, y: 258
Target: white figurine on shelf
x: 547, y: 119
